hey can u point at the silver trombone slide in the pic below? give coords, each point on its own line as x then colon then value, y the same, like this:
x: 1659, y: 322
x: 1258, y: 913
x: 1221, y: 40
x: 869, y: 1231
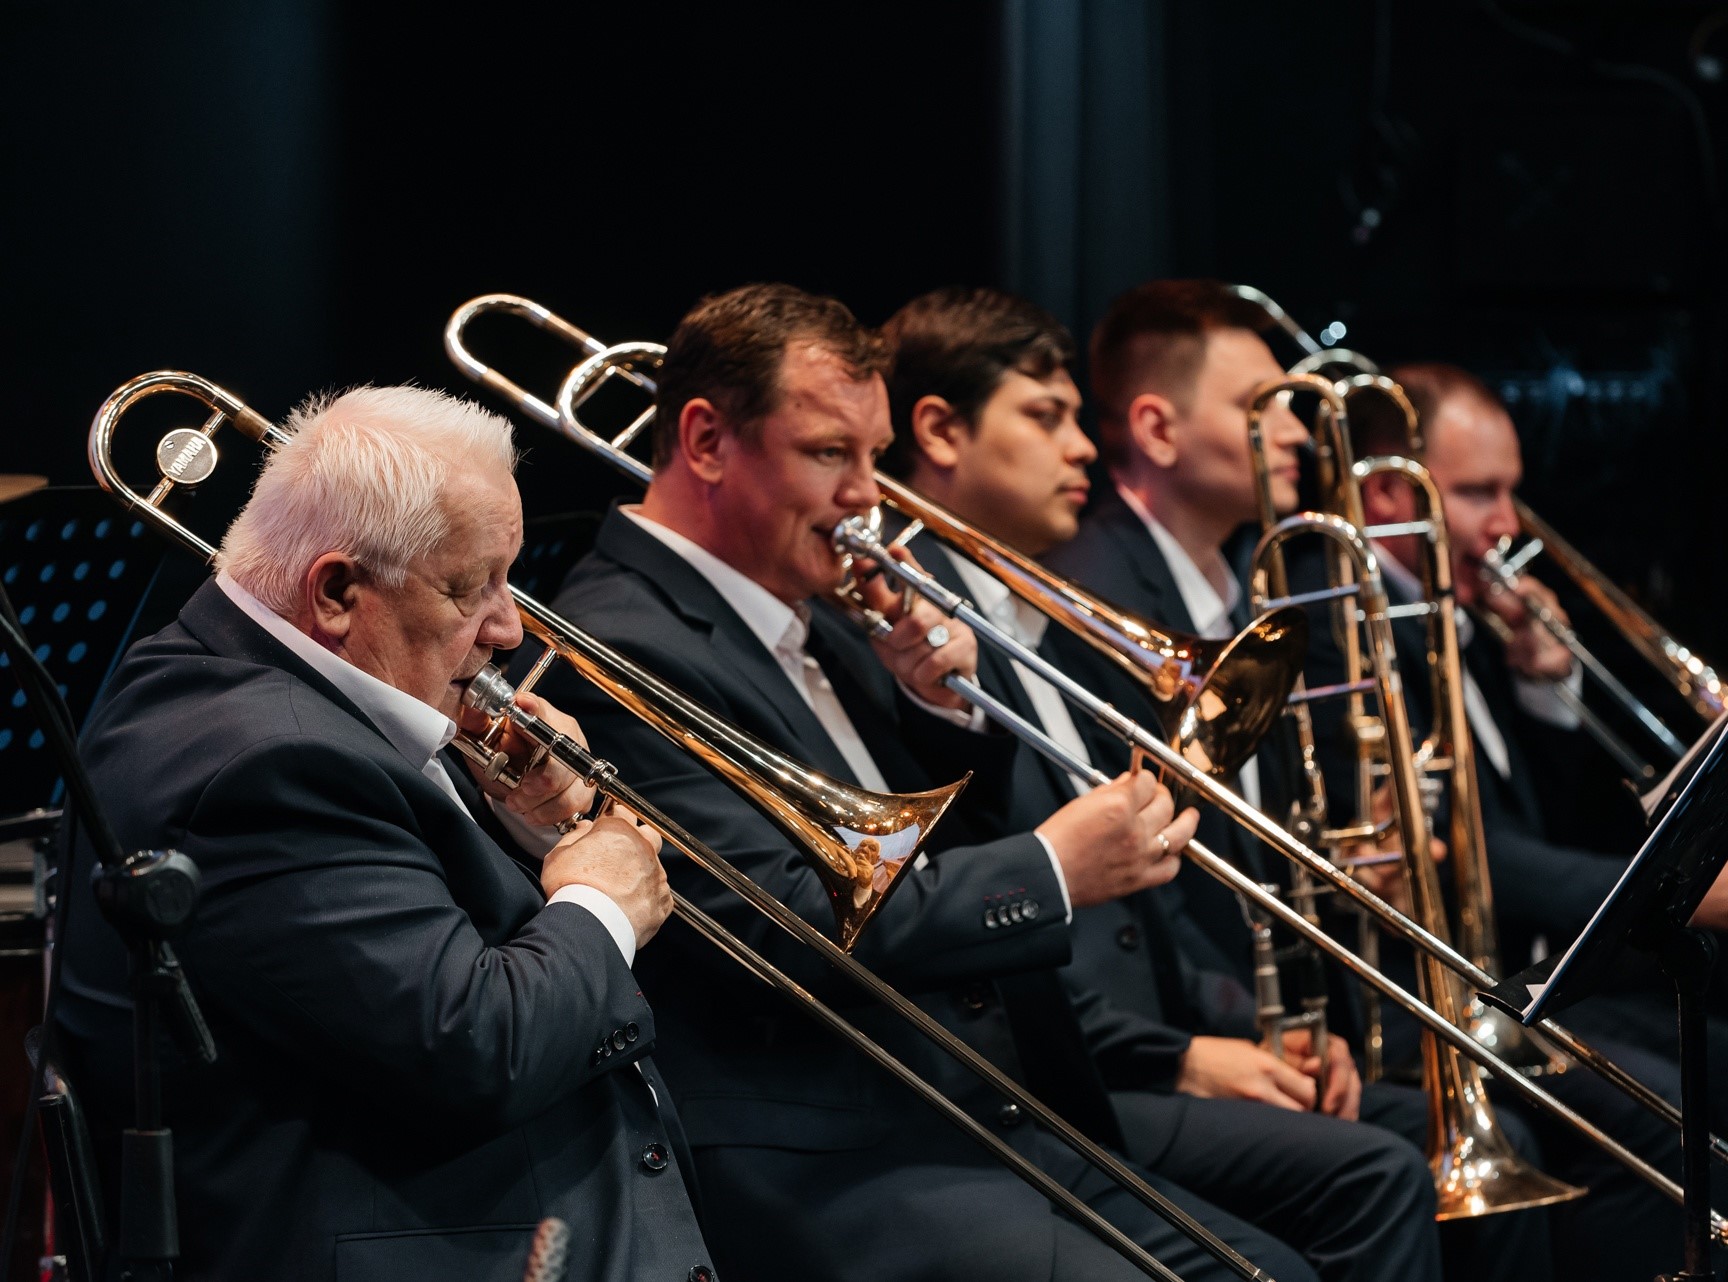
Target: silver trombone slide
x: 597, y: 364
x: 854, y: 536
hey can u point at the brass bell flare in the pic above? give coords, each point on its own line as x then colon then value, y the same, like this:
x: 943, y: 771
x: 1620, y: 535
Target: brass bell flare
x: 860, y: 843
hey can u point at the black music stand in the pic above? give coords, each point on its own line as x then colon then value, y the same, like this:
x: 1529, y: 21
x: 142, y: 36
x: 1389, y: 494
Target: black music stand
x: 147, y: 896
x: 1649, y: 909
x: 77, y: 570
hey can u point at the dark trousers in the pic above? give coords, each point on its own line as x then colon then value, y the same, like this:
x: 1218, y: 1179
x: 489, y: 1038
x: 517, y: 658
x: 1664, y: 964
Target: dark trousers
x: 929, y: 1206
x: 1356, y: 1200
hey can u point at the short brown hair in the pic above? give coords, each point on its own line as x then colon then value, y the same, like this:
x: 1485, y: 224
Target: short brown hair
x: 958, y: 343
x: 1377, y: 425
x: 728, y: 349
x: 1153, y: 338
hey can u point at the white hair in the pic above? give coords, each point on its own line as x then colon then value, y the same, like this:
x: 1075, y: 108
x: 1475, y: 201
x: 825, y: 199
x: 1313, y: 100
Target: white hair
x: 365, y: 473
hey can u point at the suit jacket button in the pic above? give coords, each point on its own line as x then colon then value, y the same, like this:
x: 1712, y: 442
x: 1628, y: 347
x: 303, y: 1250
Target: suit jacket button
x: 700, y: 1273
x: 1010, y: 1115
x: 1031, y: 910
x: 619, y: 1041
x: 631, y: 1032
x: 1015, y: 913
x: 990, y: 922
x: 654, y: 1158
x: 973, y: 997
x: 1128, y: 938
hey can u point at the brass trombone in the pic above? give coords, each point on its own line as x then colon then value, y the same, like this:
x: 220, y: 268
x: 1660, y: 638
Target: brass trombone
x: 1686, y: 672
x: 812, y: 809
x: 1448, y: 751
x: 1475, y: 975
x: 1476, y: 1170
x: 858, y: 536
x: 1216, y: 699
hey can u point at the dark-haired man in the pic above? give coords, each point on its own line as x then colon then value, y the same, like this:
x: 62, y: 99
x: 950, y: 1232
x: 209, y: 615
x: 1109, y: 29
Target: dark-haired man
x: 1175, y: 365
x: 772, y: 414
x: 1542, y: 888
x: 986, y: 425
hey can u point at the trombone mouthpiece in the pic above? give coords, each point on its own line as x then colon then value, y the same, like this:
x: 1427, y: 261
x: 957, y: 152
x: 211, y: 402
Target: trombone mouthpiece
x: 489, y: 692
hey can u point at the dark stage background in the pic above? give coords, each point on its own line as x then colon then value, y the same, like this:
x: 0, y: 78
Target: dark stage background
x: 292, y: 196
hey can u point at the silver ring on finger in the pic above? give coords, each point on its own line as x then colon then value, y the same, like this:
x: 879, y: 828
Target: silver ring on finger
x: 1164, y: 844
x: 937, y: 636
x: 568, y: 822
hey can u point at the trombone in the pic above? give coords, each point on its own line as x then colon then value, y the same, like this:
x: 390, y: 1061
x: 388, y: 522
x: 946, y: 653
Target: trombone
x: 858, y: 536
x: 1473, y: 973
x: 1215, y: 699
x: 1684, y: 671
x: 815, y: 811
x: 1475, y: 1166
x: 1448, y: 751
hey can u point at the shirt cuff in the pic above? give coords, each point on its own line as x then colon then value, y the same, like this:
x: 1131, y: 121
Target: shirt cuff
x: 970, y: 717
x: 608, y: 912
x: 1541, y: 699
x: 1061, y: 881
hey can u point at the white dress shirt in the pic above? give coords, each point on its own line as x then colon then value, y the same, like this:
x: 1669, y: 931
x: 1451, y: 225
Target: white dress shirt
x: 419, y: 732
x: 783, y: 630
x: 1026, y: 624
x: 1208, y: 597
x: 1535, y: 696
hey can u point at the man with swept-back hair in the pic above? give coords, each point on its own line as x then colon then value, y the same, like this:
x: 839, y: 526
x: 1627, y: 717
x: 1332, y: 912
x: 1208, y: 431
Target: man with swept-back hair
x: 428, y: 1034
x: 987, y: 426
x: 814, y: 1164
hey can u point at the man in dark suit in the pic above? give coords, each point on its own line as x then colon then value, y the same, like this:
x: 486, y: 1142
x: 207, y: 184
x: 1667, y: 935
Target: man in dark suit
x: 428, y: 1034
x: 986, y: 422
x: 771, y: 415
x: 1545, y: 889
x: 1538, y: 886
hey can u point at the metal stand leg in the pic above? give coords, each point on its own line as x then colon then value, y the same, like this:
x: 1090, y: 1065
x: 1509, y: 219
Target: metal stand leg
x: 1688, y: 956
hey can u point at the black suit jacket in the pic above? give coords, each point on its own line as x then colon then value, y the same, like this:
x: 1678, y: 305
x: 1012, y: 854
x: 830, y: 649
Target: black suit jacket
x: 410, y: 1069
x: 1139, y: 1001
x: 1114, y: 556
x: 747, y: 1069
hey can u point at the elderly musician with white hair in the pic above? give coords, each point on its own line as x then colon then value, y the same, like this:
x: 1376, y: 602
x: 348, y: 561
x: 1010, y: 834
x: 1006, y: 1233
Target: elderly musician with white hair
x: 428, y: 1033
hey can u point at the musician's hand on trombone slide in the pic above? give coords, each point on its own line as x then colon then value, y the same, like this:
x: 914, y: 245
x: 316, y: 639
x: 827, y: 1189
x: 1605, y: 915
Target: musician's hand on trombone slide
x: 1531, y: 649
x: 550, y: 792
x: 1121, y: 837
x: 620, y: 855
x: 925, y: 645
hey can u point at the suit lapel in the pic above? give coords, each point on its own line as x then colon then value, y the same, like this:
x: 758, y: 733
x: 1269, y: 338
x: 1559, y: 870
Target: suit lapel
x: 737, y: 650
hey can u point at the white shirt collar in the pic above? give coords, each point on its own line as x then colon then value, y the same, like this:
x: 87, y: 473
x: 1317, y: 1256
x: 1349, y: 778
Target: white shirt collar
x: 416, y: 729
x: 774, y: 623
x: 1209, y: 611
x: 1001, y: 606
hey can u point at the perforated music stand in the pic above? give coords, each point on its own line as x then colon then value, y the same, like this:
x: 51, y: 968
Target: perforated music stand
x: 1649, y: 909
x: 77, y: 571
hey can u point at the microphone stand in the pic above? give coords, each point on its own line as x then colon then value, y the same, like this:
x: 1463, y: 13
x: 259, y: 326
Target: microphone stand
x: 147, y: 896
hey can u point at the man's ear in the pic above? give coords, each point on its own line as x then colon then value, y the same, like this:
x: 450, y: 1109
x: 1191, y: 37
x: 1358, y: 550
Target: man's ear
x: 332, y: 591
x: 1153, y: 427
x: 936, y: 429
x: 1386, y: 499
x: 703, y: 438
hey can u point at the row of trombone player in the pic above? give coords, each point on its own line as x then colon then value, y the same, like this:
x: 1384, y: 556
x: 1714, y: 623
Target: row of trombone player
x: 809, y: 1163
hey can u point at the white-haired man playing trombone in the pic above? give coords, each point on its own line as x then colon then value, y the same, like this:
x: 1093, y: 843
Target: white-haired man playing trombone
x: 428, y: 1034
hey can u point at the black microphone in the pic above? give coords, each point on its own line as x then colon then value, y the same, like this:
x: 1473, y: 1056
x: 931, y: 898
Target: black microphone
x: 550, y: 1254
